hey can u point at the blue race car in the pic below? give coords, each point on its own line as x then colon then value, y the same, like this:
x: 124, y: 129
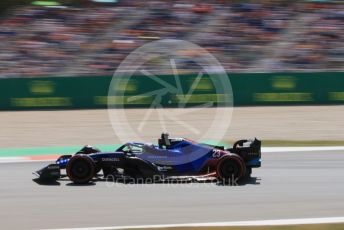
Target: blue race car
x: 172, y: 157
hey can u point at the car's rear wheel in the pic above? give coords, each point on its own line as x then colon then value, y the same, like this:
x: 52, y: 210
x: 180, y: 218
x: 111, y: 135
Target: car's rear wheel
x: 230, y: 169
x: 81, y: 169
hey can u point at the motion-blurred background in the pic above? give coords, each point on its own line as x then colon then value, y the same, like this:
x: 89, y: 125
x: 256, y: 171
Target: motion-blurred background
x: 61, y: 54
x: 91, y: 37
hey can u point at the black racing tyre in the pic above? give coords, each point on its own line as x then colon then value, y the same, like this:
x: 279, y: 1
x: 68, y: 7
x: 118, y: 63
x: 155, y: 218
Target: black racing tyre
x: 230, y: 169
x: 81, y: 169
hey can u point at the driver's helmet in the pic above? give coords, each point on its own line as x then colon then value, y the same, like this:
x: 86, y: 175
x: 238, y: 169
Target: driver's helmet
x: 164, y: 140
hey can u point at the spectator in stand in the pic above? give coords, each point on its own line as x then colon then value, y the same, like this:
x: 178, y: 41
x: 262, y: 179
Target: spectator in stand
x: 93, y: 40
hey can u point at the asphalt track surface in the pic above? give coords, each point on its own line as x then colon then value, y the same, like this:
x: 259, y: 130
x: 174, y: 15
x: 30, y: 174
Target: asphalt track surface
x: 289, y: 185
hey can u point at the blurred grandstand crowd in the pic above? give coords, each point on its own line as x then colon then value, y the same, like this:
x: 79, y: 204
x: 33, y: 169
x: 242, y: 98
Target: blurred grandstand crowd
x: 245, y: 37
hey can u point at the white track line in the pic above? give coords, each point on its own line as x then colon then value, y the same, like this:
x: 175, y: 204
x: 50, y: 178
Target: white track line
x: 12, y: 159
x: 301, y: 149
x: 4, y: 160
x: 327, y: 220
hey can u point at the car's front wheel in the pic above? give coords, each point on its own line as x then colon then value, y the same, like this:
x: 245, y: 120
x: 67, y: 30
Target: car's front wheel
x: 81, y: 169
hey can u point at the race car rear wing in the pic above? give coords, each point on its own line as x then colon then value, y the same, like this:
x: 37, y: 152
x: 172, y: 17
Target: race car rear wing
x: 248, y: 149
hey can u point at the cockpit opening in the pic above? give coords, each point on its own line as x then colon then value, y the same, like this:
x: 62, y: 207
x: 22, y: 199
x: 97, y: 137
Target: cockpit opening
x: 166, y: 143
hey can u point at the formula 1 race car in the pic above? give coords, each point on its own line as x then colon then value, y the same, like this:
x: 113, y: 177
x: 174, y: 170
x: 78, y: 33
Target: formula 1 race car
x: 172, y: 157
